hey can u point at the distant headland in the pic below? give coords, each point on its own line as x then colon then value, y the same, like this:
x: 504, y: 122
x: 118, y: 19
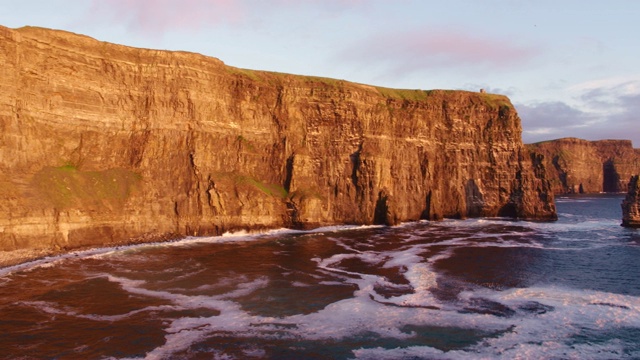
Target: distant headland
x: 582, y: 166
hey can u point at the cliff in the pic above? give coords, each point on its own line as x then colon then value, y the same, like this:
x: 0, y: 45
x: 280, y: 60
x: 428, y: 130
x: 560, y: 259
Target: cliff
x: 102, y: 144
x: 631, y: 204
x: 581, y: 166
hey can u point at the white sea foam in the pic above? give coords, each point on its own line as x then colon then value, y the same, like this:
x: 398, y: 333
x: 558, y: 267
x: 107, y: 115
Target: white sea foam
x: 413, y: 352
x: 550, y: 333
x: 540, y: 335
x: 50, y: 261
x: 540, y: 322
x: 240, y: 236
x: 537, y: 322
x: 54, y: 309
x: 563, y: 314
x: 542, y: 350
x: 569, y: 200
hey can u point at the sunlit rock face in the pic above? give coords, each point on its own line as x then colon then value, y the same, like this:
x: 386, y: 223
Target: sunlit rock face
x: 631, y: 204
x: 103, y: 144
x: 582, y: 166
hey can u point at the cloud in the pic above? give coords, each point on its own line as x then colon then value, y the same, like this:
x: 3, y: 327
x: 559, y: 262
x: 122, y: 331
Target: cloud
x: 618, y: 83
x: 157, y: 16
x: 551, y: 120
x: 605, y: 112
x: 553, y: 114
x: 420, y: 49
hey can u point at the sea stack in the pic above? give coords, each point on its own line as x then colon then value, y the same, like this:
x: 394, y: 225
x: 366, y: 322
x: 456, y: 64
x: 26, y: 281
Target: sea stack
x: 631, y: 205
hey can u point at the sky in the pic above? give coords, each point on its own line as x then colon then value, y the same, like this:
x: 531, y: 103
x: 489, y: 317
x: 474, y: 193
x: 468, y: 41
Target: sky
x: 570, y: 67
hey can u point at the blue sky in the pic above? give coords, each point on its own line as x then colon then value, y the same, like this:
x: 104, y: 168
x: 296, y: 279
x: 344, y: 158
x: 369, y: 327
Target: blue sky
x: 570, y: 67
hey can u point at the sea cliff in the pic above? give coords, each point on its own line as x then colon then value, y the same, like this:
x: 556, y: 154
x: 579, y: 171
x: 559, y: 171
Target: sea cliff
x: 103, y: 144
x: 582, y: 166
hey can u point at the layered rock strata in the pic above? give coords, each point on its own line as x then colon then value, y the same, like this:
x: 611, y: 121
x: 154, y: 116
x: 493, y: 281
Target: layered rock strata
x: 582, y: 166
x: 631, y: 204
x: 103, y: 143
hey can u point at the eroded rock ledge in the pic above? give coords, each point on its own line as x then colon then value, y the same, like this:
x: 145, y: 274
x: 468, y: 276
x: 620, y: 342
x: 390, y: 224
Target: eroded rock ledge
x: 631, y: 204
x: 102, y: 143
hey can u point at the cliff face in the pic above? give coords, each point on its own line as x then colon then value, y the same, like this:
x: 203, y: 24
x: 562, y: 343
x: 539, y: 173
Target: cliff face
x: 101, y: 143
x: 631, y: 204
x: 581, y: 166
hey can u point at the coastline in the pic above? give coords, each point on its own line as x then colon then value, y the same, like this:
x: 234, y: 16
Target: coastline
x: 18, y: 257
x: 23, y: 257
x: 464, y: 279
x: 10, y: 258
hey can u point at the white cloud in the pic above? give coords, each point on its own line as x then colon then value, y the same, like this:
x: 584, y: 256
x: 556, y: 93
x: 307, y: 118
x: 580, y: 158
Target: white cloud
x: 611, y: 111
x: 626, y: 83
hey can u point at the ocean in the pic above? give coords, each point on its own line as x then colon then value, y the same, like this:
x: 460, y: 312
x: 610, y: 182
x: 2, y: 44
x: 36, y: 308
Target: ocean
x: 452, y: 289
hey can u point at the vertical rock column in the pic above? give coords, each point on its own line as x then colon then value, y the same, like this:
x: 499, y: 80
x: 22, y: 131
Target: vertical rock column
x: 631, y: 205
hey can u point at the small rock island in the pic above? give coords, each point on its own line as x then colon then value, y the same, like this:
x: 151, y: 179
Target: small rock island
x: 631, y: 205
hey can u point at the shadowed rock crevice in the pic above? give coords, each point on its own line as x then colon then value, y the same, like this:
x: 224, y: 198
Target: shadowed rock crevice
x: 428, y: 213
x: 288, y: 173
x: 474, y: 199
x: 381, y: 214
x: 355, y: 166
x: 611, y: 178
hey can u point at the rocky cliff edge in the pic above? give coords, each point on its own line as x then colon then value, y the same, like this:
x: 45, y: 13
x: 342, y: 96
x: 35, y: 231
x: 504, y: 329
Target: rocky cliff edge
x: 102, y: 144
x: 581, y: 166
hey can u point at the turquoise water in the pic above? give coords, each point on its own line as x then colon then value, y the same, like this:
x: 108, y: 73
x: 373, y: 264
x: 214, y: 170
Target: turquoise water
x: 456, y: 289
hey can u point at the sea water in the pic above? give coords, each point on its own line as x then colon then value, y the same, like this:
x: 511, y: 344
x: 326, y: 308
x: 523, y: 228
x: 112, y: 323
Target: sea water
x: 454, y: 289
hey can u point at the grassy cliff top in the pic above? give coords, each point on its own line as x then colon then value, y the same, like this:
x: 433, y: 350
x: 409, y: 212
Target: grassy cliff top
x: 167, y: 57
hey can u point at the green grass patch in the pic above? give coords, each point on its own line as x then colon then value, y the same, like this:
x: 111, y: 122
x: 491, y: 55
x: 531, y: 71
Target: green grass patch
x: 250, y: 74
x: 275, y: 190
x: 242, y: 141
x: 269, y: 189
x: 324, y: 80
x: 403, y: 94
x: 68, y: 167
x: 495, y: 101
x: 67, y: 187
x: 273, y: 77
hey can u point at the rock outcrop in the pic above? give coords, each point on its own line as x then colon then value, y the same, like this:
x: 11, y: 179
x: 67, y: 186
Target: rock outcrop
x: 631, y: 204
x: 582, y: 166
x: 102, y: 143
